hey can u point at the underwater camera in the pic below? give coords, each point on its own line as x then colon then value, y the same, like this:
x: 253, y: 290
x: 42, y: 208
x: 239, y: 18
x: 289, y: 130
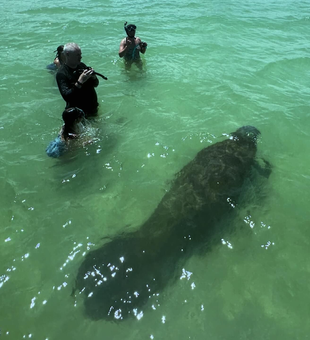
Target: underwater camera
x: 81, y: 70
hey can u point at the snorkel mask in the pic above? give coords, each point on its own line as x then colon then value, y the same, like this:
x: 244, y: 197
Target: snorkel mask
x: 129, y: 28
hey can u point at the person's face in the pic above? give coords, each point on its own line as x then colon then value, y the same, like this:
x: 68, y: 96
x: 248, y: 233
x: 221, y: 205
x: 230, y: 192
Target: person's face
x: 74, y: 57
x: 131, y: 33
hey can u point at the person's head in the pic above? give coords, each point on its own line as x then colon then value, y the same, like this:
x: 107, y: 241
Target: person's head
x: 73, y: 54
x: 59, y: 54
x: 72, y: 115
x: 130, y: 29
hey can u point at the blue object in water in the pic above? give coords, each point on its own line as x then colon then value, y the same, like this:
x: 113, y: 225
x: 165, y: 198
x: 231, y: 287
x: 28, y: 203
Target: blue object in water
x: 51, y: 67
x: 56, y: 148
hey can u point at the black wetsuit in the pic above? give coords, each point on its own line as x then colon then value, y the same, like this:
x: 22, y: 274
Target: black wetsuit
x: 85, y: 97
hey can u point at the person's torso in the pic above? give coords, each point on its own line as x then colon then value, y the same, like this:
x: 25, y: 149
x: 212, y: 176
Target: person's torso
x: 132, y: 51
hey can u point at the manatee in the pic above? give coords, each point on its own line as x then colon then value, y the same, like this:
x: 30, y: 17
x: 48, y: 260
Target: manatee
x: 119, y: 278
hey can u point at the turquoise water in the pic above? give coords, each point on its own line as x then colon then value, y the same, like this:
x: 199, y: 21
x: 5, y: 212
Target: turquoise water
x: 209, y: 69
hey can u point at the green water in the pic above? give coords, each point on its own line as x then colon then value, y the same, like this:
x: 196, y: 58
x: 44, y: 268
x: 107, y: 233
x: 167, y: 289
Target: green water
x: 209, y: 69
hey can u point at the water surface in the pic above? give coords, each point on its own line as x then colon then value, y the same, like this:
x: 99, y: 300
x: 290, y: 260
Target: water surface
x: 209, y: 69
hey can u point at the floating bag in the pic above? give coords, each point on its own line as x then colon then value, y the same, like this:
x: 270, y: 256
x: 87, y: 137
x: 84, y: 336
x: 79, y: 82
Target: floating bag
x: 56, y: 148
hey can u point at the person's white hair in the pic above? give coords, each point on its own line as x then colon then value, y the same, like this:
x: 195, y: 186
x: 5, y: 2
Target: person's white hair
x: 71, y: 47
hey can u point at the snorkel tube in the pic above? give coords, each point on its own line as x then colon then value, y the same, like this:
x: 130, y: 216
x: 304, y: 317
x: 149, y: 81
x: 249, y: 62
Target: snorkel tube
x: 80, y: 71
x: 129, y: 28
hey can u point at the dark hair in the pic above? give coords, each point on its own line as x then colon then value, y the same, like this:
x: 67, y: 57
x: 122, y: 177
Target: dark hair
x: 71, y: 114
x: 58, y: 51
x: 129, y: 28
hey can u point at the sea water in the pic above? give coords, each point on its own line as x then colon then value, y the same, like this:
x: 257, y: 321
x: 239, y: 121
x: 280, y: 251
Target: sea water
x: 210, y: 67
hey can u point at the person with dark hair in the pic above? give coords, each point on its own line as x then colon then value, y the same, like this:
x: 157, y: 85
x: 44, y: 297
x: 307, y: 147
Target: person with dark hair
x: 59, y: 59
x: 77, y: 82
x: 131, y: 46
x: 73, y: 118
x: 71, y: 128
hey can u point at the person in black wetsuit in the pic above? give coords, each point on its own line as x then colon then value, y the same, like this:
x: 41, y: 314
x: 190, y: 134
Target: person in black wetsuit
x: 77, y: 82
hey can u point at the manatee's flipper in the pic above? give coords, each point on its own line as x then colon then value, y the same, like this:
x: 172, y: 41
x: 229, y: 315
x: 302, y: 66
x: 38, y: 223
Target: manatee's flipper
x: 265, y: 170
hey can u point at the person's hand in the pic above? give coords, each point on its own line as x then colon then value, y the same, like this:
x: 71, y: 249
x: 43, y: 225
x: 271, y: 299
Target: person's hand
x: 142, y: 46
x: 130, y: 41
x: 85, y: 75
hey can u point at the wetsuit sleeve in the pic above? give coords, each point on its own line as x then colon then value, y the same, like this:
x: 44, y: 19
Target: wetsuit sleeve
x: 90, y: 82
x: 94, y: 82
x: 67, y: 89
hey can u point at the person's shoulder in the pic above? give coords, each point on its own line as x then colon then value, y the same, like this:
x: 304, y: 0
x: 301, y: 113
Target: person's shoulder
x: 61, y: 71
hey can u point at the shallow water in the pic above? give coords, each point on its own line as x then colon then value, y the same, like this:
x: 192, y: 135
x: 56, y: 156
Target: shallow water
x: 209, y: 69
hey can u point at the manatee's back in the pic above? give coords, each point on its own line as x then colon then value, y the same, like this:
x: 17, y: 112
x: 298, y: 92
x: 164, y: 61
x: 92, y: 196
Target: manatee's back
x: 206, y: 186
x: 122, y: 274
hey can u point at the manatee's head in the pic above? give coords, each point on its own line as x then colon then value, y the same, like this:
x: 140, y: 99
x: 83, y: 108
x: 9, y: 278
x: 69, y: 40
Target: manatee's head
x: 246, y: 133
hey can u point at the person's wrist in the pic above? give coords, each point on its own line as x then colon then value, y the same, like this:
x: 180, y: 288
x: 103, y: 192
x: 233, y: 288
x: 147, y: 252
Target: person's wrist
x: 79, y: 83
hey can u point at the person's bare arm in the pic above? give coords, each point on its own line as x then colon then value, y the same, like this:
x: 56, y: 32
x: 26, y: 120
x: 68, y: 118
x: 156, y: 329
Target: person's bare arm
x: 122, y: 48
x: 57, y: 62
x: 142, y: 45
